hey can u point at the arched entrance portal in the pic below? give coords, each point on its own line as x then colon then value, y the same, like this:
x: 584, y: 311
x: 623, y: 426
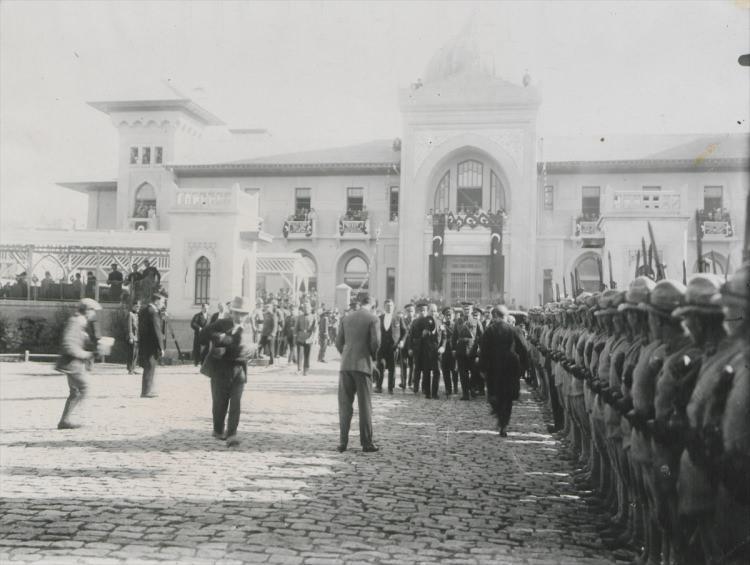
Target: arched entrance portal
x: 354, y: 271
x: 468, y: 206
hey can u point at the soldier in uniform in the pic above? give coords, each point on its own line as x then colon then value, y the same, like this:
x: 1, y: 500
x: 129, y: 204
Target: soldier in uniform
x: 466, y: 335
x: 696, y: 487
x: 732, y: 459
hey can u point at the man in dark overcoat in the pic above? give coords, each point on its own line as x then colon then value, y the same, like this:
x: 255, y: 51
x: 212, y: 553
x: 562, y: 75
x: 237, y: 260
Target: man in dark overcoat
x: 226, y: 365
x: 500, y: 352
x: 150, y: 343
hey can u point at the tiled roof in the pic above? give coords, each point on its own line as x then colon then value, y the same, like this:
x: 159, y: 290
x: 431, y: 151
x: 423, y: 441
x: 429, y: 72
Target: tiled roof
x: 378, y: 151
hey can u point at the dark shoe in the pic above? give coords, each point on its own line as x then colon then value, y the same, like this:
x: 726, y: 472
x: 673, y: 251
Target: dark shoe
x: 370, y: 449
x: 150, y: 395
x: 503, y: 433
x: 465, y: 397
x: 67, y: 426
x: 427, y: 395
x: 402, y: 385
x: 390, y: 391
x: 378, y: 389
x: 232, y: 441
x: 341, y: 448
x: 219, y: 435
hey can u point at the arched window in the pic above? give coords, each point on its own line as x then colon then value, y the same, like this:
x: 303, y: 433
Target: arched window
x: 145, y: 202
x: 356, y: 273
x: 587, y: 269
x: 469, y: 186
x: 441, y: 194
x: 309, y: 261
x: 497, y: 193
x: 202, y: 280
x: 712, y: 263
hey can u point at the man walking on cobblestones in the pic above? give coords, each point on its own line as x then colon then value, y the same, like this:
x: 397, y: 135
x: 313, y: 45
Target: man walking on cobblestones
x: 150, y: 343
x: 226, y: 365
x: 77, y: 349
x: 358, y: 341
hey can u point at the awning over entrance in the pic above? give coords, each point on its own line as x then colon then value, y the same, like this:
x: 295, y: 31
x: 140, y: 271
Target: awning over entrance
x: 291, y: 267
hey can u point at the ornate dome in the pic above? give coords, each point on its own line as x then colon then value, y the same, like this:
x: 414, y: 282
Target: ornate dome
x: 459, y: 55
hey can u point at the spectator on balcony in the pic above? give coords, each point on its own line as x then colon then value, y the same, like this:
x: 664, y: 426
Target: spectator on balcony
x: 133, y: 281
x: 151, y: 279
x: 90, y: 284
x: 45, y: 289
x: 114, y: 280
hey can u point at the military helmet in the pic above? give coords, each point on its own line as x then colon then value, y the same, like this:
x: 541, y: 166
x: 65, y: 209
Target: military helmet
x: 736, y: 291
x: 701, y: 291
x: 605, y: 302
x: 666, y: 296
x: 638, y: 292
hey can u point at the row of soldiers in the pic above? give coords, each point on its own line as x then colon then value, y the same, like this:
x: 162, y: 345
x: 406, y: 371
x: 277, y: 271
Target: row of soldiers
x: 650, y: 391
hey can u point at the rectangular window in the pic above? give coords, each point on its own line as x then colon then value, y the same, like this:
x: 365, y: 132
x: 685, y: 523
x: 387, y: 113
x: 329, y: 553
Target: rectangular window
x: 393, y: 203
x: 355, y: 199
x: 549, y: 197
x: 713, y: 198
x: 468, y: 200
x: 133, y: 155
x: 158, y: 155
x: 651, y: 197
x: 590, y: 202
x: 390, y: 283
x: 302, y: 201
x: 145, y: 156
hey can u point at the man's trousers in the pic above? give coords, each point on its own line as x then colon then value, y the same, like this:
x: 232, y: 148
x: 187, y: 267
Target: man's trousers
x: 149, y: 370
x: 353, y: 383
x: 78, y: 386
x: 386, y: 361
x: 450, y: 374
x: 226, y: 395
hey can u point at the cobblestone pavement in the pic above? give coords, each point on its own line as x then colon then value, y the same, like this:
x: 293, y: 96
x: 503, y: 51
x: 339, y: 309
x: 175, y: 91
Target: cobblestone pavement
x: 144, y: 481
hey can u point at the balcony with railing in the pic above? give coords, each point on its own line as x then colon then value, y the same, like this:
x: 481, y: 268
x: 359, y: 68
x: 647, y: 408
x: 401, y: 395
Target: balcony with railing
x: 587, y: 229
x: 299, y: 225
x: 715, y: 224
x: 645, y: 203
x: 354, y: 224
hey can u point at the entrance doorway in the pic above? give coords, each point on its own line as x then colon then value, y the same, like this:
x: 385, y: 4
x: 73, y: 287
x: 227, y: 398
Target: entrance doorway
x: 467, y: 278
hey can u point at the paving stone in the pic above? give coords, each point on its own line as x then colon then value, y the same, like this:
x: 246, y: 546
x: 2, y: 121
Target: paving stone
x: 147, y: 483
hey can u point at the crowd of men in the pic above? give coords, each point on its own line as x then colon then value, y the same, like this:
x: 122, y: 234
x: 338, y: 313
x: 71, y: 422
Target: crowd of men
x: 650, y: 392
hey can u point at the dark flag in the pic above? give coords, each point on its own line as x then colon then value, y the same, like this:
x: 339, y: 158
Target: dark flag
x: 497, y: 260
x: 436, y: 257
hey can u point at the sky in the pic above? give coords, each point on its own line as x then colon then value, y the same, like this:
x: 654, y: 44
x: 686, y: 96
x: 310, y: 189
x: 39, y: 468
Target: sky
x: 321, y: 74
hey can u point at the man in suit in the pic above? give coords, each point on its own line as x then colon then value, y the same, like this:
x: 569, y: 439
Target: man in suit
x: 465, y: 345
x: 305, y: 328
x: 323, y: 335
x: 199, y: 321
x: 226, y: 365
x: 390, y: 335
x: 447, y: 355
x: 501, y: 350
x: 424, y: 343
x: 133, y: 336
x: 358, y: 341
x: 407, y: 361
x: 268, y: 332
x: 150, y: 343
x: 78, y: 349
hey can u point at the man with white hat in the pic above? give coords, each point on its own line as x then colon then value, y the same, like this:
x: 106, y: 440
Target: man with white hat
x: 226, y: 365
x: 77, y: 349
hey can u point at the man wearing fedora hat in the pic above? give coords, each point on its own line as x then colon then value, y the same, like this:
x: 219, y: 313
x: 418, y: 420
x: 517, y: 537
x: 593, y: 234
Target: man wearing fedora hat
x: 77, y: 350
x: 226, y: 366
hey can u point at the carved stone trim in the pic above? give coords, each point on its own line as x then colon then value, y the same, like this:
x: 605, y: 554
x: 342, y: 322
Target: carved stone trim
x: 511, y: 140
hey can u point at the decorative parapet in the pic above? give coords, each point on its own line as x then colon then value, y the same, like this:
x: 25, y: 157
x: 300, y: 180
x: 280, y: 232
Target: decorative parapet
x: 357, y: 229
x: 716, y: 229
x: 646, y: 202
x: 294, y: 229
x: 472, y: 220
x: 208, y: 200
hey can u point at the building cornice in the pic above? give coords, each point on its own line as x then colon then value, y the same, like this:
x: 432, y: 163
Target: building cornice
x: 645, y: 165
x: 185, y: 105
x: 282, y: 169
